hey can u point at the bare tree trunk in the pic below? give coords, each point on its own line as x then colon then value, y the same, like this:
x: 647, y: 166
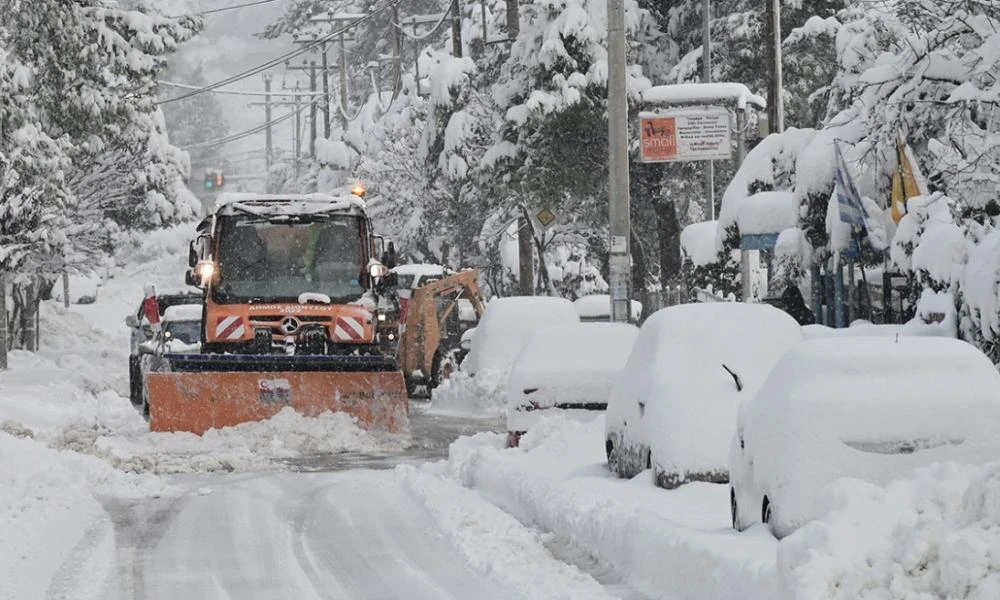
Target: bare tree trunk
x: 526, y: 265
x: 29, y: 316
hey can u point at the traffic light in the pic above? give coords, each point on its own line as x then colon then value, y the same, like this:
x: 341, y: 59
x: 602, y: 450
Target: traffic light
x: 214, y: 179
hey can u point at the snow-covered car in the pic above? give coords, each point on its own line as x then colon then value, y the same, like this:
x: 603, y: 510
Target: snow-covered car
x: 505, y: 326
x: 141, y: 332
x: 413, y: 275
x: 870, y: 408
x: 597, y: 307
x: 567, y: 370
x: 673, y: 408
x: 180, y: 332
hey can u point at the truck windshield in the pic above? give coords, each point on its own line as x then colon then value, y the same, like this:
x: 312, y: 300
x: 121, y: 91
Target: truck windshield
x: 275, y: 261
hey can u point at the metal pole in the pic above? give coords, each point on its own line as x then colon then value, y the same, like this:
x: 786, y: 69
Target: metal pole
x: 267, y: 119
x: 312, y: 108
x: 416, y: 60
x: 456, y: 29
x: 775, y: 101
x: 343, y: 81
x: 326, y: 94
x: 619, y: 263
x: 706, y: 77
x: 297, y: 136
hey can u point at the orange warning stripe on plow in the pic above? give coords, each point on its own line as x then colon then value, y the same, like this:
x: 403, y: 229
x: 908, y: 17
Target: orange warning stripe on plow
x: 197, y: 402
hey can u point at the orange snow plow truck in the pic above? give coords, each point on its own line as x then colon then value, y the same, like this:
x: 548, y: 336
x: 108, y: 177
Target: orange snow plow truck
x: 292, y: 290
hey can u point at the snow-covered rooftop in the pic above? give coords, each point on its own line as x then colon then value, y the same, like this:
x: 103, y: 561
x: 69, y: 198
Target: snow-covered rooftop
x: 689, y: 93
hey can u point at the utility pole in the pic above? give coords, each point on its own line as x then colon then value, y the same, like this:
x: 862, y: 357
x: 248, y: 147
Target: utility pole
x: 297, y: 137
x: 312, y: 108
x: 326, y: 94
x: 397, y: 51
x: 456, y: 29
x: 775, y: 103
x: 619, y: 263
x: 343, y: 81
x: 706, y: 77
x: 267, y: 119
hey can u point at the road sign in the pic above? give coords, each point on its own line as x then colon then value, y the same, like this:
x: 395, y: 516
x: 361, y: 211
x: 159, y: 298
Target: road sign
x: 687, y: 135
x: 545, y: 217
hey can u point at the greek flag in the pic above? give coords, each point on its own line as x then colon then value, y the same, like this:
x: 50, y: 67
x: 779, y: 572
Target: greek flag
x: 851, y: 211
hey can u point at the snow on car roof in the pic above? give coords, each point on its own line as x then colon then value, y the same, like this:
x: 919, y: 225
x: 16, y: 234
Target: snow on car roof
x: 507, y: 323
x: 418, y: 269
x: 579, y: 349
x: 571, y: 363
x: 880, y: 388
x: 599, y: 305
x: 183, y: 312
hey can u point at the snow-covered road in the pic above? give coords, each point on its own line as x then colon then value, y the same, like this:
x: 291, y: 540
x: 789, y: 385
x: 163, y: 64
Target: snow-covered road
x: 355, y: 534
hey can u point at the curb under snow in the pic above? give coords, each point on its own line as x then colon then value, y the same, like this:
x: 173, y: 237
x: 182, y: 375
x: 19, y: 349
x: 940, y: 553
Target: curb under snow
x: 654, y: 553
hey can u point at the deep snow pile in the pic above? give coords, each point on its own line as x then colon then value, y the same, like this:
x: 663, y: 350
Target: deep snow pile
x: 47, y: 503
x: 934, y: 536
x: 658, y: 540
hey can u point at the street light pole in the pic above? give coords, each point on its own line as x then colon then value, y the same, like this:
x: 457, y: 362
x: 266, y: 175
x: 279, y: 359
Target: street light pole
x: 706, y: 77
x: 619, y: 263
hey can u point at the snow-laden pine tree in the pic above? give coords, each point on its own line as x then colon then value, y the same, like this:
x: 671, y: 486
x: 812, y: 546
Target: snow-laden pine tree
x: 79, y: 117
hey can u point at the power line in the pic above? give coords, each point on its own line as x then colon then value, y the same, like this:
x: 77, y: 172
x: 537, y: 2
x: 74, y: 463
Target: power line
x: 185, y: 86
x: 240, y: 135
x: 287, y: 56
x: 223, y: 9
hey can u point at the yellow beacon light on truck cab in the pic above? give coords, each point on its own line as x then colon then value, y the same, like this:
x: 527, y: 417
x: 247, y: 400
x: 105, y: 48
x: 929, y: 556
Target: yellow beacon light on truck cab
x: 358, y: 190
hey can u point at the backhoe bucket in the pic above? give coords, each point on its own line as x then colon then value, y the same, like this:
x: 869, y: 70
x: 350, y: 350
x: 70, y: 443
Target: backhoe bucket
x: 213, y: 391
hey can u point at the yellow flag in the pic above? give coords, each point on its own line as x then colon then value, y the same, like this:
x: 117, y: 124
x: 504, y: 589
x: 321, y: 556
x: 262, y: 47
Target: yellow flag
x: 907, y: 180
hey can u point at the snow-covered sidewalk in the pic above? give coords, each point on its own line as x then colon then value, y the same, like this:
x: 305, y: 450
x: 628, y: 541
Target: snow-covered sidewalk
x: 664, y: 542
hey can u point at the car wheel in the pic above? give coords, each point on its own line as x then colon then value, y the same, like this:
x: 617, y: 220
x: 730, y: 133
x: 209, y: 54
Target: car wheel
x: 134, y: 381
x: 765, y: 511
x: 614, y: 458
x: 734, y: 510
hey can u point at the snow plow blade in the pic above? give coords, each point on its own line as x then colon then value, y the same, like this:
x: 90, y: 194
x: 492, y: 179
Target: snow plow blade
x: 202, y: 392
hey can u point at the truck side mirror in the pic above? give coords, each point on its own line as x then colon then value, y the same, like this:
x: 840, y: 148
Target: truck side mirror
x: 192, y: 255
x: 390, y: 260
x: 190, y: 279
x: 132, y: 321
